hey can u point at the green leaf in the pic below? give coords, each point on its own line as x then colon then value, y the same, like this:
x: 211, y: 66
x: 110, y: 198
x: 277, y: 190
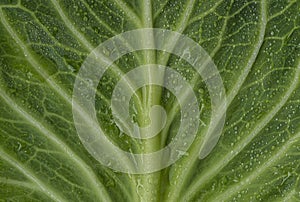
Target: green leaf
x: 254, y: 44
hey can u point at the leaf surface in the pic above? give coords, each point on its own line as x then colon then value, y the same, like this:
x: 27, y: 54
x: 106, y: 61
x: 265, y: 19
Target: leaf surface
x: 254, y: 44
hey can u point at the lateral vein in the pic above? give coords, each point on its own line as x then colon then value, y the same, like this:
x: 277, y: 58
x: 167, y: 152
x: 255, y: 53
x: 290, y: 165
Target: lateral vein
x: 29, y: 174
x: 237, y: 87
x: 239, y: 186
x: 229, y: 156
x: 100, y: 191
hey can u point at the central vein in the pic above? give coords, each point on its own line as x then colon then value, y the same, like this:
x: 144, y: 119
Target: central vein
x: 149, y: 189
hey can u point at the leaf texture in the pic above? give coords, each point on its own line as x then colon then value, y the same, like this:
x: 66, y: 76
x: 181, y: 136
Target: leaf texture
x: 254, y: 44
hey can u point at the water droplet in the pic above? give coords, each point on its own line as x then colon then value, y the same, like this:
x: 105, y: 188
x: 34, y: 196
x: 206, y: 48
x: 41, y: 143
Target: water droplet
x: 19, y: 146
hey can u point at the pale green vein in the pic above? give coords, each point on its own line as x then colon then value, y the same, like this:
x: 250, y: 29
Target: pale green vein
x: 62, y: 177
x: 151, y: 93
x: 86, y: 170
x: 151, y: 96
x: 180, y: 27
x: 89, y: 46
x: 186, y: 16
x: 129, y: 12
x: 175, y: 107
x: 242, y: 8
x: 101, y: 22
x: 162, y: 6
x: 249, y: 24
x: 82, y: 38
x: 32, y: 177
x: 108, y: 27
x: 19, y: 183
x: 268, y: 73
x: 199, y: 17
x: 257, y: 172
x: 30, y: 58
x: 35, y: 64
x: 291, y: 2
x: 172, y: 114
x: 234, y: 91
x: 56, y: 42
x: 39, y: 68
x: 71, y: 27
x: 226, y: 158
x: 147, y: 16
x: 193, y: 155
